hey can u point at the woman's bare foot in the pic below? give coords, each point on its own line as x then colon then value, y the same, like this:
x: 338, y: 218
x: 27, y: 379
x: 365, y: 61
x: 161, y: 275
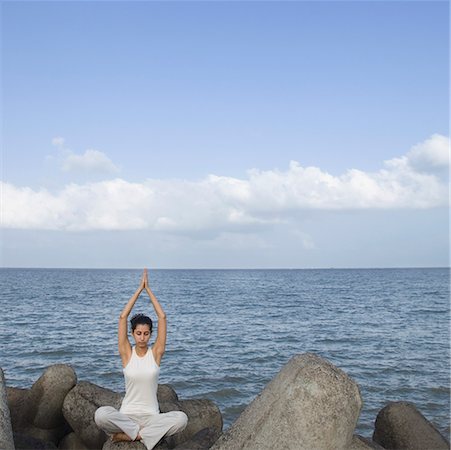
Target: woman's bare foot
x: 120, y: 437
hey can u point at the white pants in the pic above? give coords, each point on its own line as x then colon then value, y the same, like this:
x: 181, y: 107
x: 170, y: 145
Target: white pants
x: 151, y: 427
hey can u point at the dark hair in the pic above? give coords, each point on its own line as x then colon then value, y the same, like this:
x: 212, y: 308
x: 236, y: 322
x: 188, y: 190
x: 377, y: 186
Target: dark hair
x: 140, y: 319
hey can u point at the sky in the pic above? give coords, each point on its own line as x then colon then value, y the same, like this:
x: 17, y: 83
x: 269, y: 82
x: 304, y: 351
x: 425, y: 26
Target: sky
x: 207, y: 134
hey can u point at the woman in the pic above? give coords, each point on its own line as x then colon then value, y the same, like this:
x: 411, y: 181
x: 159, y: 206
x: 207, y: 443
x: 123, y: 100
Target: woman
x: 139, y: 417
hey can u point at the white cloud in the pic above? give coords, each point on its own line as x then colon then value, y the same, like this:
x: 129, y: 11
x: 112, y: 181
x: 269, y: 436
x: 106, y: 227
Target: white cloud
x: 429, y: 156
x: 90, y: 161
x: 225, y: 204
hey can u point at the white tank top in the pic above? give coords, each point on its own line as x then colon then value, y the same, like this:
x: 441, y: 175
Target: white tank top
x: 141, y: 384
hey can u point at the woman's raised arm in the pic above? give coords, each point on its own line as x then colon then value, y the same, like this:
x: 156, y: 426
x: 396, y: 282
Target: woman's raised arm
x: 125, y: 348
x: 160, y: 342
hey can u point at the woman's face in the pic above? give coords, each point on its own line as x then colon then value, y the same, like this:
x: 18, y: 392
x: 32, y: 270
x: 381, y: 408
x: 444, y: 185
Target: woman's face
x: 141, y: 335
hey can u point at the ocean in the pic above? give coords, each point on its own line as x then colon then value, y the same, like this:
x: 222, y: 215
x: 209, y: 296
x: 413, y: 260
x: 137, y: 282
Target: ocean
x: 231, y: 331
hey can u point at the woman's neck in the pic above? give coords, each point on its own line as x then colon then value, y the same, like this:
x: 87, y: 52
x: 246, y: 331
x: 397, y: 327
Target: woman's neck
x: 141, y: 351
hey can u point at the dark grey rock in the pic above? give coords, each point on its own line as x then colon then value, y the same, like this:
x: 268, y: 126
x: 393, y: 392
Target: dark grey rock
x: 83, y: 400
x: 80, y: 406
x: 20, y: 407
x: 202, y: 440
x: 72, y: 442
x: 166, y: 393
x: 47, y: 395
x: 6, y: 431
x: 362, y: 443
x: 309, y: 404
x: 400, y: 425
x: 204, y: 427
x: 37, y: 412
x: 25, y: 442
x: 135, y: 445
x: 202, y: 413
x: 47, y: 435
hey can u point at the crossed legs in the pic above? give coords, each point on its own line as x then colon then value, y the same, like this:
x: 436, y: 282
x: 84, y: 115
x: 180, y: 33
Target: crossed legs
x: 148, y: 428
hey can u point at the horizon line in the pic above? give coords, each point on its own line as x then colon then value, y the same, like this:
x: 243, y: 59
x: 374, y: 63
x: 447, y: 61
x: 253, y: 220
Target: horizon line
x: 229, y: 268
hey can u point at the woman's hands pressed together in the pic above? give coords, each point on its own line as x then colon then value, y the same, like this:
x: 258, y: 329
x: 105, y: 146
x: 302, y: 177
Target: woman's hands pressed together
x: 144, y: 281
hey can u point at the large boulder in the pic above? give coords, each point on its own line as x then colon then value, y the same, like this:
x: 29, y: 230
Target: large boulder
x: 135, y: 445
x: 202, y: 440
x: 53, y: 435
x: 362, y: 443
x: 47, y: 395
x: 21, y: 413
x: 37, y: 412
x: 399, y: 425
x: 309, y: 404
x: 26, y: 442
x: 202, y: 413
x: 203, y: 428
x: 72, y: 442
x: 80, y: 406
x: 82, y: 402
x: 6, y: 431
x: 166, y: 393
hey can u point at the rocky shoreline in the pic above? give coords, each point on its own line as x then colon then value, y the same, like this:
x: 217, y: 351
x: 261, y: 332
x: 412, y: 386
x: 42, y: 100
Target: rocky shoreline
x: 309, y: 405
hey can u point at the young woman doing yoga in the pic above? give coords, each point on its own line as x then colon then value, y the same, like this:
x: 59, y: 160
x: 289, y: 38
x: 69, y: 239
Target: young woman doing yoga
x: 139, y: 416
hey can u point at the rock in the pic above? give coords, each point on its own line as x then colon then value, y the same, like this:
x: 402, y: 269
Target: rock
x: 361, y: 443
x: 309, y: 404
x: 72, y: 442
x: 52, y: 435
x: 202, y: 440
x: 166, y: 393
x: 107, y: 397
x: 97, y: 395
x: 202, y: 413
x: 47, y: 395
x: 80, y: 406
x: 83, y: 400
x: 19, y: 406
x: 37, y: 412
x: 399, y: 425
x: 25, y: 442
x: 136, y: 445
x: 6, y: 431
